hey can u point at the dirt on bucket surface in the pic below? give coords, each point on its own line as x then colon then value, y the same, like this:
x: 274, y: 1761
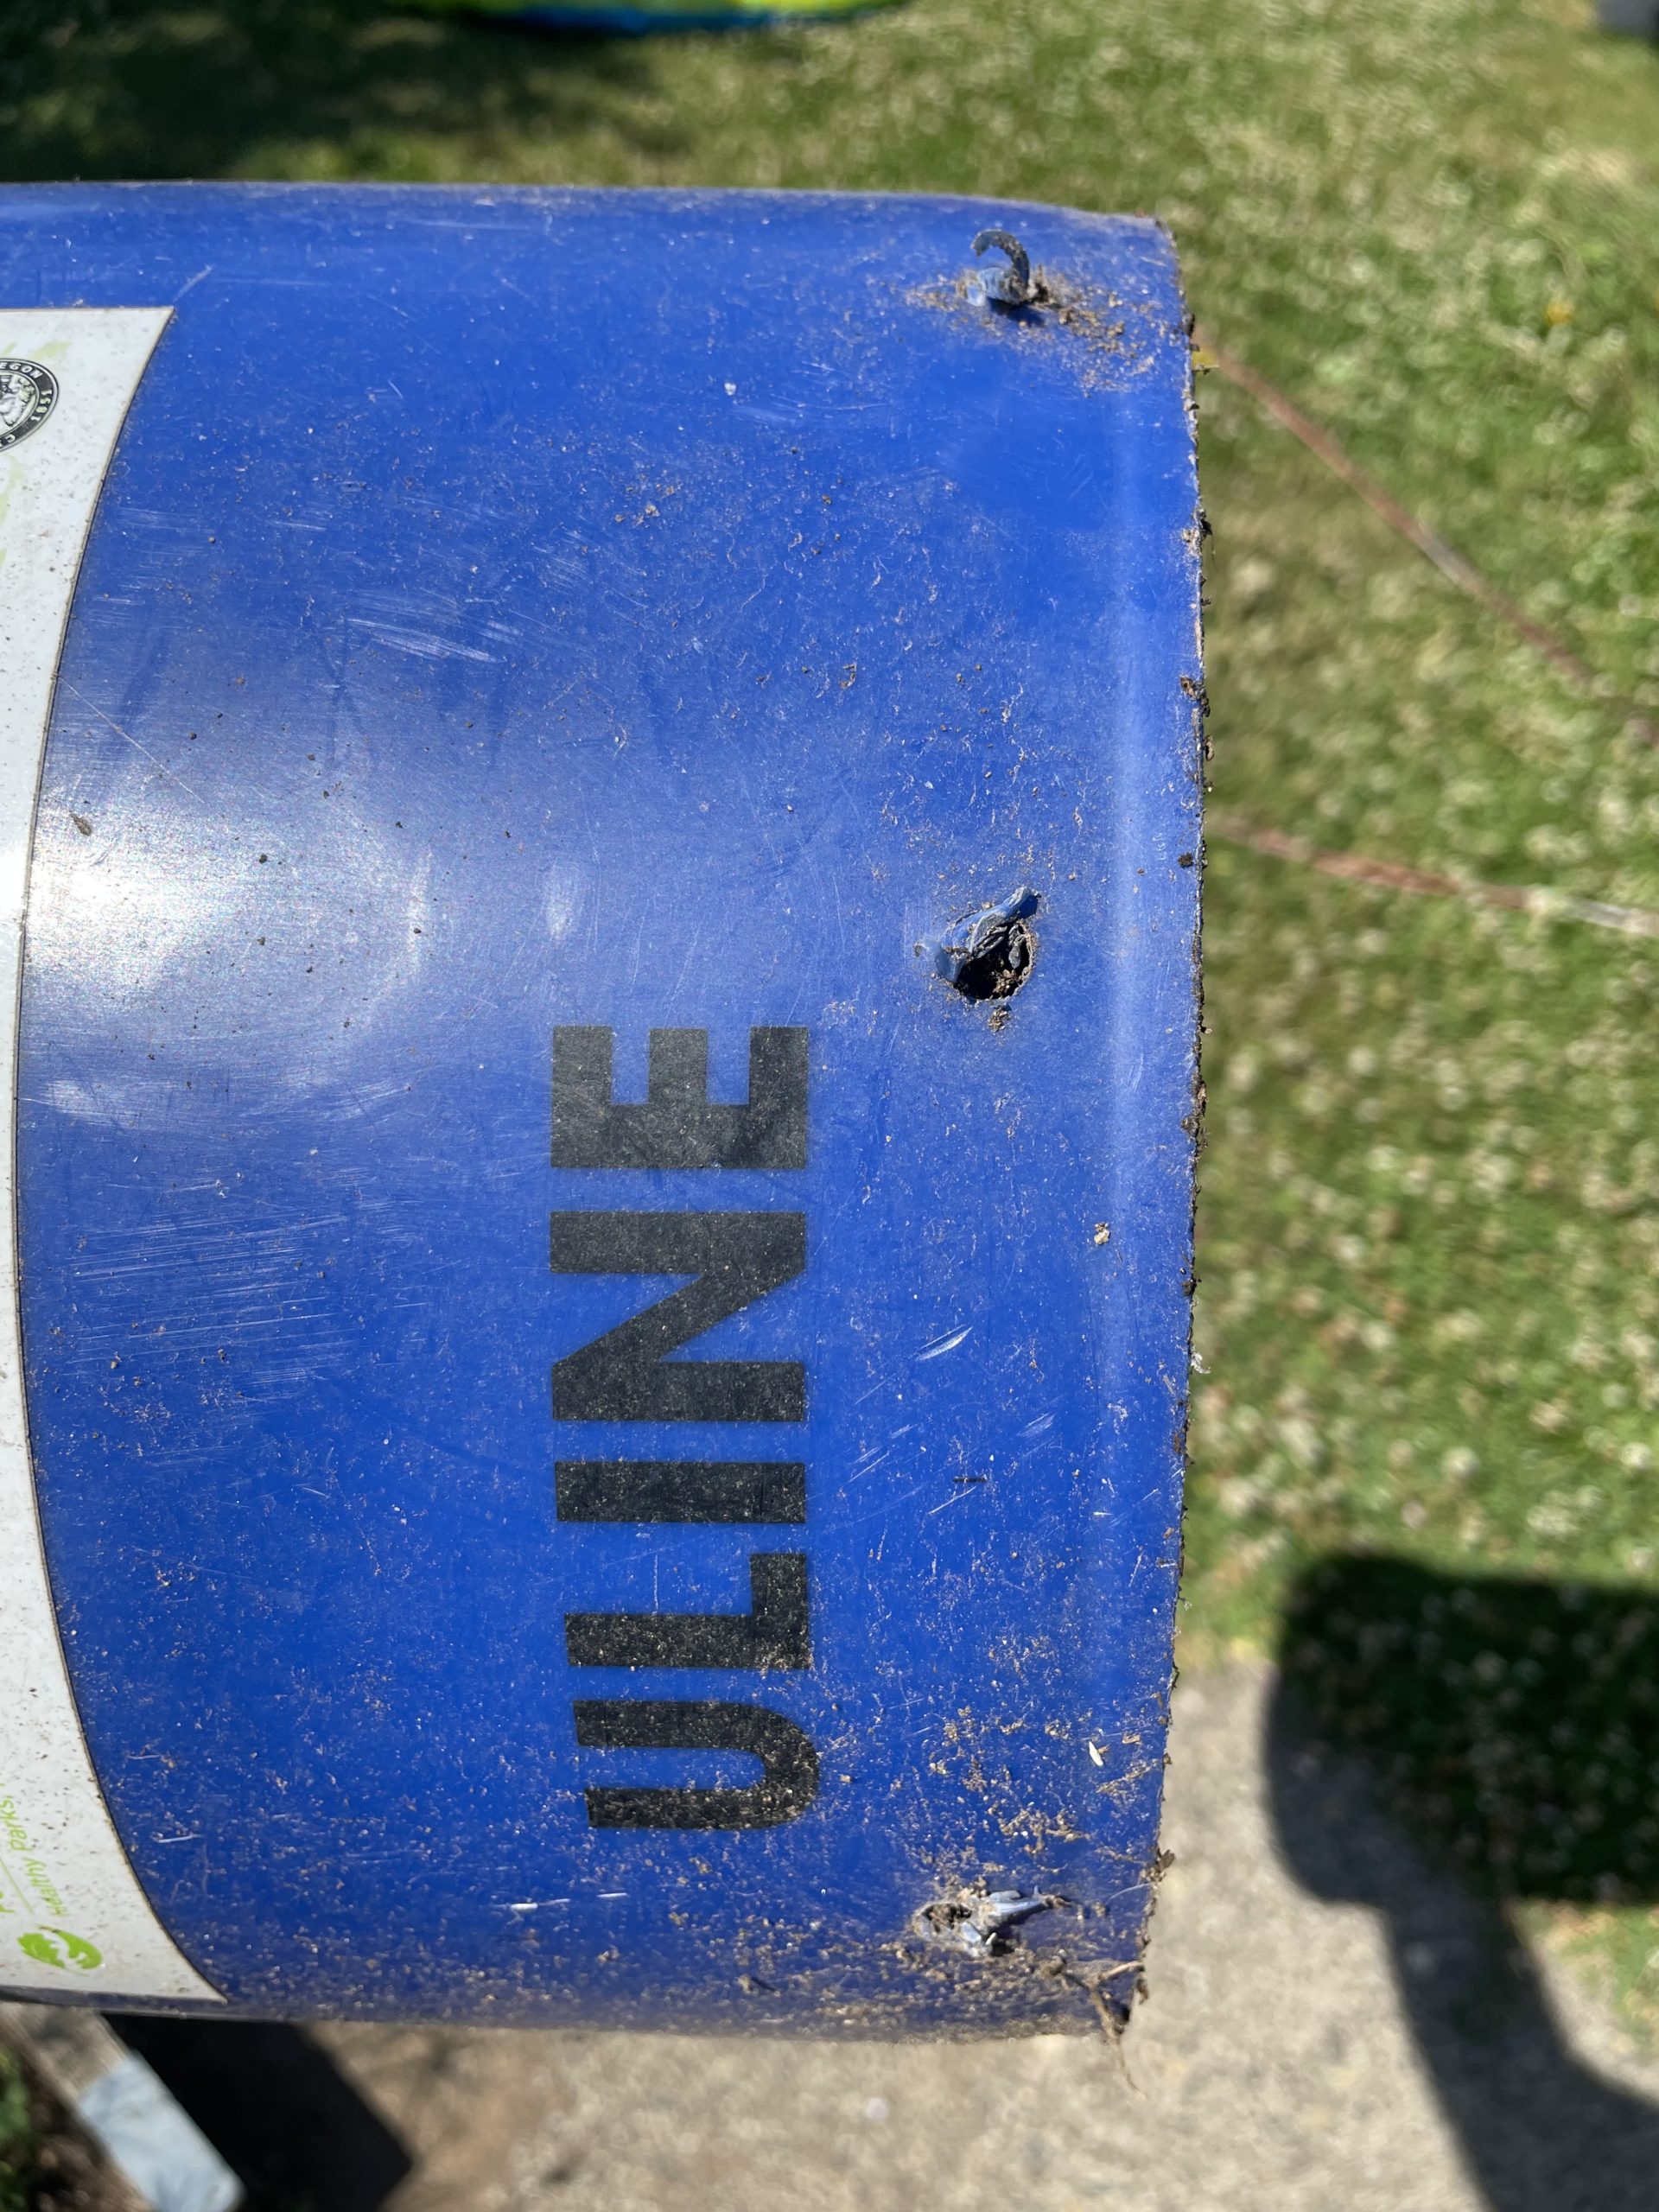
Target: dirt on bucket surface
x: 1333, y: 2019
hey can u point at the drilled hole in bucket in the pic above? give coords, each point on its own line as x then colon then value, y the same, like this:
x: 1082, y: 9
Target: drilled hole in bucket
x: 996, y: 966
x: 990, y: 957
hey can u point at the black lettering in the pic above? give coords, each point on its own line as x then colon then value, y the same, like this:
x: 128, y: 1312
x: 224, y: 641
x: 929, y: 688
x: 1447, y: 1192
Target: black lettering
x: 678, y: 1126
x: 680, y: 1489
x: 789, y: 1778
x: 776, y: 1631
x: 624, y: 1374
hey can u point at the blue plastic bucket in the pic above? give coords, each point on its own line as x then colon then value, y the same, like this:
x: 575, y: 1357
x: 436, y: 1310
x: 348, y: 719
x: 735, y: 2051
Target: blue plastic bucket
x: 604, y: 1051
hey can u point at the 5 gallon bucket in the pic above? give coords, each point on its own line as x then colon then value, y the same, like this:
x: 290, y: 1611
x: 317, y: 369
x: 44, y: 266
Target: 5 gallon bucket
x: 599, y: 796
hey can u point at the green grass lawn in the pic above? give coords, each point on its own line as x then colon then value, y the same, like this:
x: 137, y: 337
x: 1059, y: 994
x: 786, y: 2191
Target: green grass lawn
x: 1429, y: 1309
x: 19, y: 2141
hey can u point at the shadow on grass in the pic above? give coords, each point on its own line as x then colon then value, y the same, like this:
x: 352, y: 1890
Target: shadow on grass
x: 146, y: 89
x: 1511, y: 1729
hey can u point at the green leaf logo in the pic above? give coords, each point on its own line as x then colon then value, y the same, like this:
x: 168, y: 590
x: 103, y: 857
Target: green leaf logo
x: 56, y: 1946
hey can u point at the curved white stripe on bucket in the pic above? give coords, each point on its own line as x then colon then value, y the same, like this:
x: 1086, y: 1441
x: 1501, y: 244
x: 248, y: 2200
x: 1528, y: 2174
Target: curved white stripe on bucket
x: 73, y: 1921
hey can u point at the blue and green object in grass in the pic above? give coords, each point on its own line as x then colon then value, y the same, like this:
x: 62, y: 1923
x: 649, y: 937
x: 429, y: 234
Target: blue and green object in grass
x: 655, y: 14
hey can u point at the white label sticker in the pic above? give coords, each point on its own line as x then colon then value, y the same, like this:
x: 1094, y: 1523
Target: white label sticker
x: 73, y: 1921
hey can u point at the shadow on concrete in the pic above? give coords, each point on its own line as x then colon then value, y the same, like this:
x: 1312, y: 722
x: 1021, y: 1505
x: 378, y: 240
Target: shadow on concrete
x: 130, y: 89
x: 275, y: 2106
x: 1511, y: 1729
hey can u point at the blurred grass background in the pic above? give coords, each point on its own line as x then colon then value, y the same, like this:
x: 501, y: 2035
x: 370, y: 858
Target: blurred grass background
x: 1429, y: 1312
x: 19, y: 2139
